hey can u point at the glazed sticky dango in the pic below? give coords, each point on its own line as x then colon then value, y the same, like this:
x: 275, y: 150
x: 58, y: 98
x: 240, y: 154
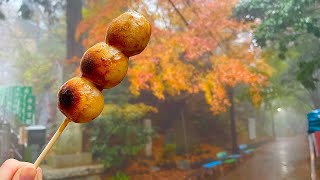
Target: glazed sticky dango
x: 80, y: 100
x: 130, y: 33
x: 103, y: 66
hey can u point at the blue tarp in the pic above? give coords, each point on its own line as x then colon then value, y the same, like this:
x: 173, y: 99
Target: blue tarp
x: 314, y: 121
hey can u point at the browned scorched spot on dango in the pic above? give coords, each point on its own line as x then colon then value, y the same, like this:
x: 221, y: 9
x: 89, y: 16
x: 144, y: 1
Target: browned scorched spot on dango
x: 80, y: 100
x: 104, y: 65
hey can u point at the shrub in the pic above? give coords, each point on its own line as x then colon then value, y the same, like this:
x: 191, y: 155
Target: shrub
x: 120, y: 176
x: 119, y: 134
x: 169, y: 151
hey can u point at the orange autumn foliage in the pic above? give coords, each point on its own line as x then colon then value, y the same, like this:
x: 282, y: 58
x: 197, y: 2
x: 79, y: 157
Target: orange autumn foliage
x: 228, y: 72
x: 208, y: 53
x: 93, y: 27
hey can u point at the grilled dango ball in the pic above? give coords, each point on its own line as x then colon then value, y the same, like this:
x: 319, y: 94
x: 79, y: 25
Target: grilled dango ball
x: 130, y: 33
x: 80, y: 100
x: 104, y: 65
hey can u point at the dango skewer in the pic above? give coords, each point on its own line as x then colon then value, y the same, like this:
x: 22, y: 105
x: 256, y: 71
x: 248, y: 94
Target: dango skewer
x: 103, y: 66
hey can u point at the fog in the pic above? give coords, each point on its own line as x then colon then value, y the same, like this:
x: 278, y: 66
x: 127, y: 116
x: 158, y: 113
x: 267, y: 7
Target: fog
x: 222, y: 89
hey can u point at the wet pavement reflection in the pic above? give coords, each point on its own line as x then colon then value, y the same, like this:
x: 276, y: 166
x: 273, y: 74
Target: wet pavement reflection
x: 285, y: 158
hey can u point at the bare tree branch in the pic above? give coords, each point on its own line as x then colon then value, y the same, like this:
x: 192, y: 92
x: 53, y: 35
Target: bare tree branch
x: 179, y: 13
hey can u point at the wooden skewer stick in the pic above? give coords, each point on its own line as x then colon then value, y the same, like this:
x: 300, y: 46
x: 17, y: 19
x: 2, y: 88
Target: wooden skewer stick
x: 51, y: 142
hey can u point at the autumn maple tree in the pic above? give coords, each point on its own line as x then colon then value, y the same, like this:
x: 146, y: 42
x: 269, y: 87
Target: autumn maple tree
x: 196, y: 47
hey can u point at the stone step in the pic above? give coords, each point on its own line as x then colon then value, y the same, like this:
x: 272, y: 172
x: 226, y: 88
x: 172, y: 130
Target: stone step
x: 69, y: 160
x: 88, y: 172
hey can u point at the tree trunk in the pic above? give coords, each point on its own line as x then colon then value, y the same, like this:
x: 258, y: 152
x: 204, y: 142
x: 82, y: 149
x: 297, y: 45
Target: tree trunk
x: 315, y: 93
x: 73, y: 17
x: 315, y: 98
x: 233, y: 129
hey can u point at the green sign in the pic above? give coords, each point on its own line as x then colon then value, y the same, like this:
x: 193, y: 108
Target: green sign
x: 20, y: 101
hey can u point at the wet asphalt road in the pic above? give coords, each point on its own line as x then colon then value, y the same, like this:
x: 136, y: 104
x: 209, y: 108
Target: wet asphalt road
x: 283, y: 159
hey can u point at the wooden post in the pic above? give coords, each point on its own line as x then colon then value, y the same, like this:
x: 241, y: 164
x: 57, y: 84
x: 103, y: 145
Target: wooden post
x: 148, y: 148
x: 273, y: 126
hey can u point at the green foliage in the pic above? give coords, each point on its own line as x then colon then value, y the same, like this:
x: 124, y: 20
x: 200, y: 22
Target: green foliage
x: 280, y: 19
x: 305, y: 73
x: 119, y: 94
x: 289, y: 29
x: 308, y: 62
x: 284, y: 90
x: 119, y: 134
x: 25, y: 11
x: 169, y: 151
x: 126, y: 112
x: 36, y: 68
x: 49, y: 8
x: 36, y: 63
x: 120, y: 176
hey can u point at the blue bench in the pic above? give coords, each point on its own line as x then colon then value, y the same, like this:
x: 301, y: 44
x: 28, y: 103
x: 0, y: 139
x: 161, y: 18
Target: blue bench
x: 244, y: 149
x: 222, y: 158
x: 225, y: 158
x: 209, y: 167
x: 212, y: 164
